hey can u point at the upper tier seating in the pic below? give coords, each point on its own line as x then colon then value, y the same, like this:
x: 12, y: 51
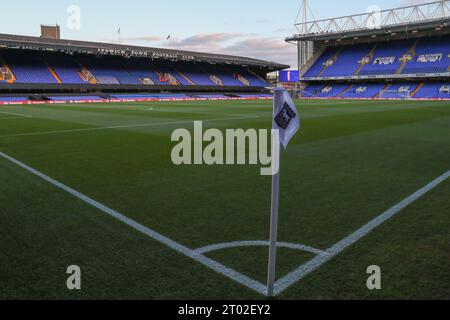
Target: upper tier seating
x: 413, y: 56
x: 28, y: 68
x: 253, y: 79
x: 66, y: 68
x: 432, y: 56
x: 347, y: 62
x: 228, y: 78
x: 387, y: 58
x: 53, y: 68
x: 320, y: 64
x: 198, y: 76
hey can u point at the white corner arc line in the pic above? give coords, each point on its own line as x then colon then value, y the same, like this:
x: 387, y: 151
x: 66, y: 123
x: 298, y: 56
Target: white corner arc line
x: 283, y: 283
x: 139, y: 125
x: 305, y: 269
x: 258, y: 243
x: 214, y: 265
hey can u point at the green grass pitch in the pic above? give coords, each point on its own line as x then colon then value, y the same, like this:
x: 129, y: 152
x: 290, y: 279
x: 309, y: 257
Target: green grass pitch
x: 351, y: 161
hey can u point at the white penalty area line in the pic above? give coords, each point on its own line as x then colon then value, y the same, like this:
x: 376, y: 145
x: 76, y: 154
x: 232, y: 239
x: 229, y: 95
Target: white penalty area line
x: 211, y: 264
x: 290, y: 279
x: 139, y: 125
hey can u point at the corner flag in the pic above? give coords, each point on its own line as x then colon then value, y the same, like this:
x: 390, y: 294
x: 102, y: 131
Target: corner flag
x: 286, y: 123
x: 287, y: 119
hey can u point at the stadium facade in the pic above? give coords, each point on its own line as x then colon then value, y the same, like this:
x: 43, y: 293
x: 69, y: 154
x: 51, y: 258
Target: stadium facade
x: 392, y: 54
x: 46, y: 70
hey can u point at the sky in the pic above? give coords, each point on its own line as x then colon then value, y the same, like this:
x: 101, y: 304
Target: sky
x: 253, y: 28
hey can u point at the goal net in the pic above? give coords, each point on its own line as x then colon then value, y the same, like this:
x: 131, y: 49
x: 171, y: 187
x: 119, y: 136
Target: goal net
x: 306, y: 94
x: 396, y: 94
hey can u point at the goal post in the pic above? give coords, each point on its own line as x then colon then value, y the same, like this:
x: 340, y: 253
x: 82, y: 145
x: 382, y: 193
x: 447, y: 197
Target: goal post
x: 396, y: 94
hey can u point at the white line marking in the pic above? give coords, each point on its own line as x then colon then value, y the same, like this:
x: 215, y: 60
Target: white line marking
x: 259, y: 243
x: 337, y: 248
x: 214, y: 265
x: 154, y: 109
x: 12, y: 118
x: 15, y: 114
x: 118, y: 127
x: 197, y: 255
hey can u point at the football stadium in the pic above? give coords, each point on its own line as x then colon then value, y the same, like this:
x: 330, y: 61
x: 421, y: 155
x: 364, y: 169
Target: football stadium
x: 94, y: 207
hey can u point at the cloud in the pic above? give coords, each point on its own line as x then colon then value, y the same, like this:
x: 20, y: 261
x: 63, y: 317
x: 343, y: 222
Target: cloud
x: 266, y: 48
x: 271, y: 48
x: 143, y: 38
x: 210, y: 38
x: 248, y: 45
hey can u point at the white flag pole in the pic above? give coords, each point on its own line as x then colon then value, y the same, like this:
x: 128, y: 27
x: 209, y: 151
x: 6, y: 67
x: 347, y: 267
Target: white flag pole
x: 275, y: 201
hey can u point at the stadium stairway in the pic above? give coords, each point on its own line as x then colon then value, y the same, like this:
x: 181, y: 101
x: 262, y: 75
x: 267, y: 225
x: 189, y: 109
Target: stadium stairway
x: 87, y: 76
x: 6, y: 72
x: 54, y: 74
x: 185, y: 77
x: 242, y: 79
x: 172, y: 79
x: 417, y: 89
x: 386, y: 87
x: 216, y: 80
x: 334, y: 58
x: 257, y: 79
x: 313, y: 60
x: 345, y: 91
x: 370, y: 55
x: 412, y: 51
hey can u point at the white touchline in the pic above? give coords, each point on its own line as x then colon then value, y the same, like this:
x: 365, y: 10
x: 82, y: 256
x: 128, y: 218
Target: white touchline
x: 117, y: 127
x: 337, y: 248
x: 214, y: 265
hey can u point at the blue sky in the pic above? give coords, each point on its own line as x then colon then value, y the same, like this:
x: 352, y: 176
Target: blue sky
x: 243, y: 27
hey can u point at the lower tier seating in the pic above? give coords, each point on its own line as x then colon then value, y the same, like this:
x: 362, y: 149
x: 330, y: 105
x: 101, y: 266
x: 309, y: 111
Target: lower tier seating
x: 398, y: 90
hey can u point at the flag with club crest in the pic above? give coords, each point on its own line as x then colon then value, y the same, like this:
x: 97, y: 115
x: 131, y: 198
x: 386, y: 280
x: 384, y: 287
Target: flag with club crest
x: 286, y: 116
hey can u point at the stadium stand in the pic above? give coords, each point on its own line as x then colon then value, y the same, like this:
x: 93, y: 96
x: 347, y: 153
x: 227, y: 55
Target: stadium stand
x: 431, y: 56
x: 402, y: 58
x: 12, y: 99
x: 434, y: 90
x: 28, y: 68
x: 386, y: 58
x: 75, y: 98
x: 59, y: 68
x: 363, y: 91
x: 48, y: 69
x: 380, y: 60
x: 425, y: 55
